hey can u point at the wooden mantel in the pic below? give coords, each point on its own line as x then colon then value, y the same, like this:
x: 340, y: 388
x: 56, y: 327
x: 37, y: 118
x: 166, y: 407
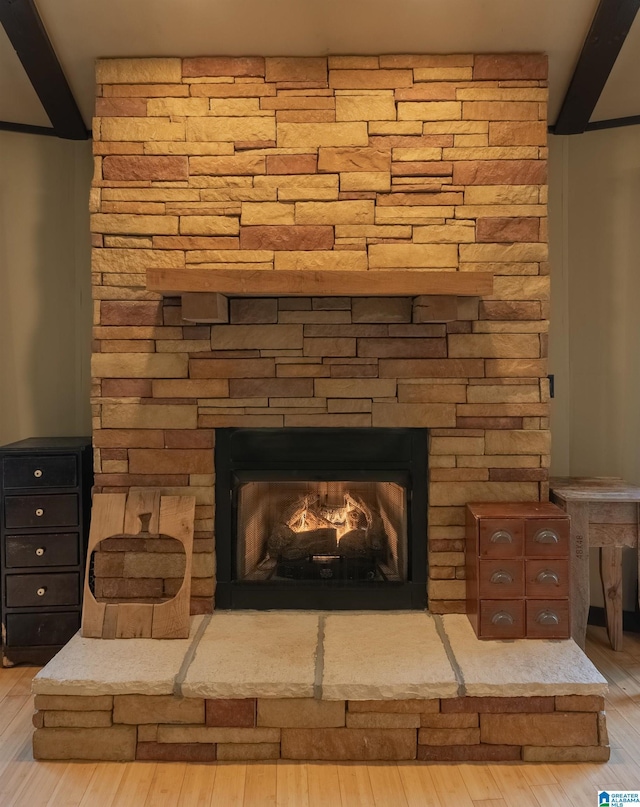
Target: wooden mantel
x: 317, y: 283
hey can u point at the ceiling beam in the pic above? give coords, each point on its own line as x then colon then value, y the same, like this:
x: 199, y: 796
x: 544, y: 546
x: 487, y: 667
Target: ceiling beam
x: 21, y: 21
x: 605, y: 39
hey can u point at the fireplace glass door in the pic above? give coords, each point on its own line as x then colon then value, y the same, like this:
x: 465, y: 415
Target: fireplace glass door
x: 329, y: 531
x: 321, y: 518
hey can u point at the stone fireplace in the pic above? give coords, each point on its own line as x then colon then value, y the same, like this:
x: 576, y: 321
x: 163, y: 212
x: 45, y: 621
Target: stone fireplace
x: 427, y: 169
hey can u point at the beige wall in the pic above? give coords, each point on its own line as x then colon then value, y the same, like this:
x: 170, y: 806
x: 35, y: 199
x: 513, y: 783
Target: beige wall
x: 595, y: 347
x: 45, y: 297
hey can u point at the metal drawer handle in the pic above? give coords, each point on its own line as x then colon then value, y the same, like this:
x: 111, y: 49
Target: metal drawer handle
x: 37, y: 473
x: 546, y: 537
x: 547, y: 576
x: 547, y: 618
x: 501, y: 537
x: 501, y: 576
x: 39, y: 511
x: 40, y: 551
x: 502, y: 618
x: 41, y: 591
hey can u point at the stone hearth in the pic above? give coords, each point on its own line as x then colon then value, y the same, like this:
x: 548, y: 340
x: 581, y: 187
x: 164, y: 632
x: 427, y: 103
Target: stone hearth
x: 338, y: 686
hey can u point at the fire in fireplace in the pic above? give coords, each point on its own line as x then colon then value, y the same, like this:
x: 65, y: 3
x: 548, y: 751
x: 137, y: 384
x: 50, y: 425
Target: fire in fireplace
x: 321, y: 518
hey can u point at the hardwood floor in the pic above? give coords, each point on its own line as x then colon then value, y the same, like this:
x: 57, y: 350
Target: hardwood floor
x: 26, y: 783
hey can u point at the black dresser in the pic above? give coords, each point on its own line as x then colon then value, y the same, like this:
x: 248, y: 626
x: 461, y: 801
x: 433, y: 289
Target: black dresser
x: 45, y: 498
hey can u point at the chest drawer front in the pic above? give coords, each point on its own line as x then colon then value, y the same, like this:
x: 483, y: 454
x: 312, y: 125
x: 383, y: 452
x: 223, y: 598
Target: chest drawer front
x: 40, y: 472
x: 547, y: 538
x: 33, y: 630
x: 547, y: 619
x: 502, y: 619
x: 30, y: 590
x: 501, y: 537
x: 58, y: 510
x: 547, y: 578
x: 501, y: 579
x: 57, y: 549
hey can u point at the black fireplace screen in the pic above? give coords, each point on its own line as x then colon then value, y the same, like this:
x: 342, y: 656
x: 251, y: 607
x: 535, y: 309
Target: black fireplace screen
x: 321, y: 518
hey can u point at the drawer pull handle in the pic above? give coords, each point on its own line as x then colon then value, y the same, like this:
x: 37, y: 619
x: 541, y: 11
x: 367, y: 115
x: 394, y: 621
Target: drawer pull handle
x: 39, y: 512
x: 501, y: 537
x: 547, y: 576
x: 41, y: 591
x: 40, y: 551
x: 502, y: 618
x: 546, y: 537
x: 501, y: 576
x: 37, y: 473
x: 547, y: 618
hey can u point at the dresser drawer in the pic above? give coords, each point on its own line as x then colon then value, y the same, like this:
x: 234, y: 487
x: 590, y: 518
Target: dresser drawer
x: 547, y: 538
x: 547, y: 578
x: 501, y: 537
x: 33, y: 630
x: 502, y: 619
x: 501, y: 579
x: 547, y: 619
x: 39, y: 510
x: 31, y: 590
x: 40, y: 472
x: 57, y: 549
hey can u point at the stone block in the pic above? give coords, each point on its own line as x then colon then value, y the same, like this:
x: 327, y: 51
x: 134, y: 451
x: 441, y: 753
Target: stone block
x: 206, y: 66
x: 209, y: 225
x: 135, y: 260
x: 177, y: 107
x: 510, y: 66
x: 271, y: 387
x: 137, y: 709
x: 494, y: 345
x: 259, y: 337
x: 508, y: 230
x: 148, y: 733
x: 232, y: 368
x: 431, y: 368
x: 370, y: 79
x: 139, y: 71
x: 191, y: 388
x: 365, y: 107
x: 137, y: 168
x: 329, y: 213
x: 74, y: 703
x: 240, y: 752
x: 138, y: 365
x: 381, y: 309
x: 354, y: 160
x: 432, y: 393
x: 170, y: 461
x: 348, y: 744
x: 518, y: 133
x: 132, y: 130
x: 517, y: 441
x: 554, y: 729
x: 347, y: 260
x: 176, y: 752
x: 123, y: 223
x: 160, y: 416
x: 445, y: 736
x: 382, y: 720
x: 231, y: 129
x: 238, y: 165
x: 443, y: 234
x: 231, y: 712
x: 583, y: 753
x: 292, y: 163
x: 407, y: 256
x: 379, y: 181
x: 403, y: 348
x: 335, y: 346
x: 429, y: 111
x: 286, y: 68
x: 410, y: 415
x: 117, y: 743
x: 252, y: 311
x: 300, y: 713
x: 579, y: 703
x: 121, y: 107
x: 266, y: 213
x: 500, y: 172
x: 205, y: 734
x: 355, y: 388
x: 459, y: 720
x: 315, y: 135
x: 448, y: 495
x: 76, y: 719
x: 469, y: 753
x: 409, y: 706
x: 280, y: 237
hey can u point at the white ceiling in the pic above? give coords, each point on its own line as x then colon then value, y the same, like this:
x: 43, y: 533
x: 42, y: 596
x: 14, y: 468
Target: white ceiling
x: 83, y: 30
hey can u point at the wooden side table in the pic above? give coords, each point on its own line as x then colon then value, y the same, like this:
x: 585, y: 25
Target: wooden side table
x: 605, y: 513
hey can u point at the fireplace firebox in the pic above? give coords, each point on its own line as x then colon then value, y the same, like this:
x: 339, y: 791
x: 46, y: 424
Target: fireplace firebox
x: 321, y: 518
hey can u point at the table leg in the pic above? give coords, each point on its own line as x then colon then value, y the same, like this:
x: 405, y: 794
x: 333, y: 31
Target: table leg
x: 611, y: 574
x: 579, y: 569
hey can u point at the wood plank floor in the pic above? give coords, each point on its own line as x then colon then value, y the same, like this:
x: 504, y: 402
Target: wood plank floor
x: 26, y: 783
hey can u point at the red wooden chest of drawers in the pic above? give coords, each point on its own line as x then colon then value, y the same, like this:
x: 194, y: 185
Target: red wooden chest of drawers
x: 517, y: 570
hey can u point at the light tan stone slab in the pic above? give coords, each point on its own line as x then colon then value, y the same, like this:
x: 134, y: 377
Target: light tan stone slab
x: 115, y: 666
x: 523, y: 667
x: 255, y: 655
x: 379, y: 656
